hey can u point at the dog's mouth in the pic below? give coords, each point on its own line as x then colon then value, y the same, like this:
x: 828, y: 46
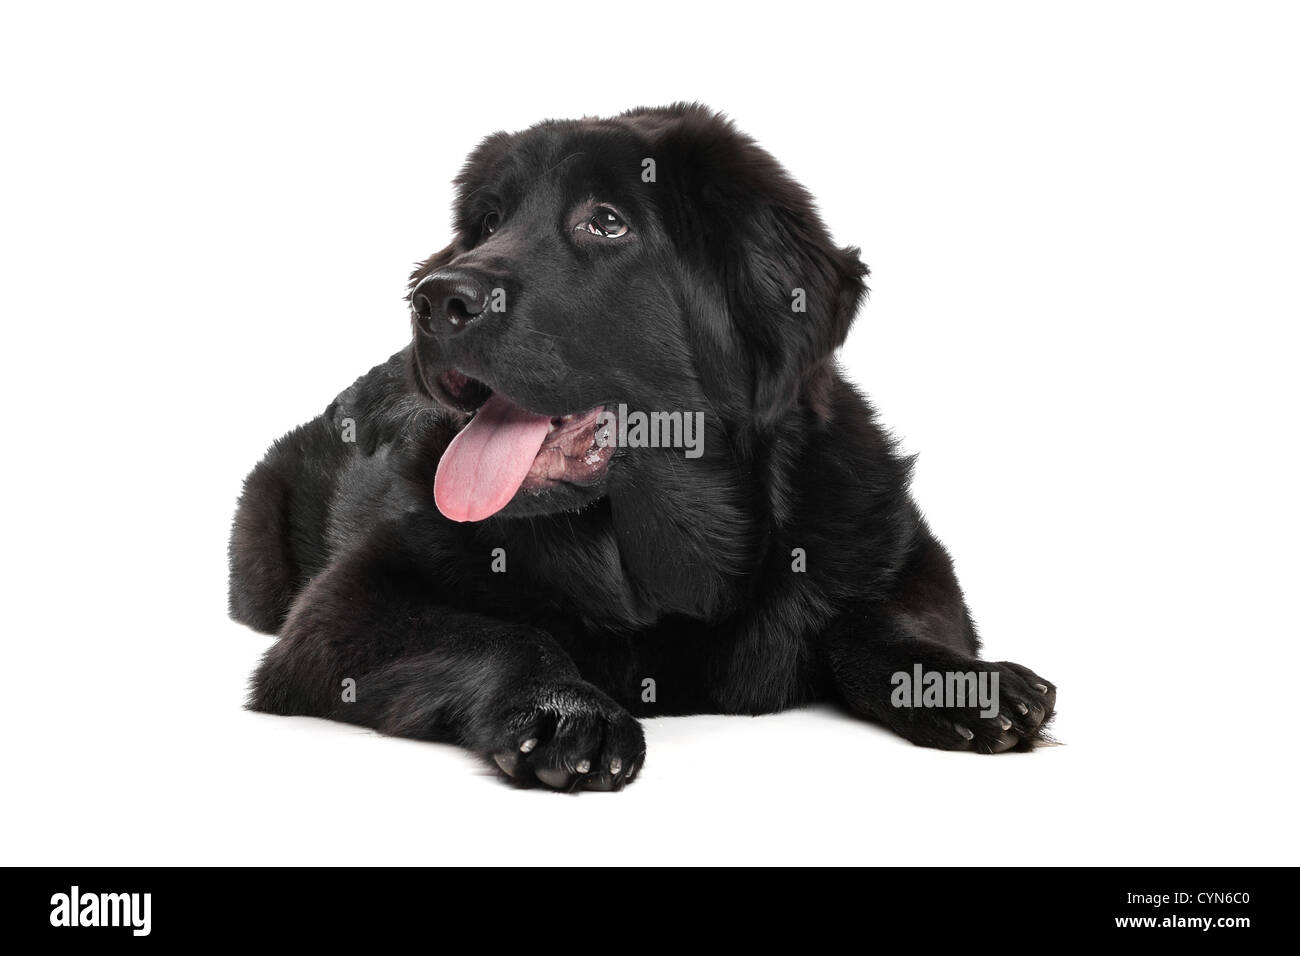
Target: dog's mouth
x: 504, y: 449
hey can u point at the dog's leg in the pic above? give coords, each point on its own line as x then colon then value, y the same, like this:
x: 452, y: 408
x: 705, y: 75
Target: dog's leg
x: 368, y: 643
x: 910, y: 663
x: 278, y: 539
x: 282, y: 532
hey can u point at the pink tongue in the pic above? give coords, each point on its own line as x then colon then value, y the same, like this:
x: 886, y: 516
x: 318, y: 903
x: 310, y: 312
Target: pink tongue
x: 486, y: 463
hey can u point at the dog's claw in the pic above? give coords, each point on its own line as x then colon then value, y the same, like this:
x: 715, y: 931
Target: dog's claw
x: 1022, y: 708
x: 584, y: 766
x: 1041, y: 688
x: 1004, y: 721
x: 966, y: 732
x: 528, y: 745
x: 615, y: 766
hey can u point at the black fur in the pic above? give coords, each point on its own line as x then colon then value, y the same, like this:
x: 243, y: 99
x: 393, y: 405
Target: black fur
x: 674, y: 570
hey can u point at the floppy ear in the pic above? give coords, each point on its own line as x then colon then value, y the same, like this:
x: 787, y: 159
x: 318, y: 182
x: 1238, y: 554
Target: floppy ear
x: 791, y: 292
x: 794, y: 295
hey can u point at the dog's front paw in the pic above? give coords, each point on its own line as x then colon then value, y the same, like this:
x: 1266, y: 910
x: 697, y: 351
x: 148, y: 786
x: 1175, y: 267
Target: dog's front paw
x: 1012, y: 714
x: 569, y: 737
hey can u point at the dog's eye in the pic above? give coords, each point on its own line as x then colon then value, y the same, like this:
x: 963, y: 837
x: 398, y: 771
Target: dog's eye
x: 490, y: 223
x: 606, y: 223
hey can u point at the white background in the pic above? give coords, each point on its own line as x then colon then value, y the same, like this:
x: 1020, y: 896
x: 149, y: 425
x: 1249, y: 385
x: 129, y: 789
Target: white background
x: 1082, y: 226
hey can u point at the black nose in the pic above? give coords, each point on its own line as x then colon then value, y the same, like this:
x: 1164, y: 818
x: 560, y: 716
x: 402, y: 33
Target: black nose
x: 447, y: 301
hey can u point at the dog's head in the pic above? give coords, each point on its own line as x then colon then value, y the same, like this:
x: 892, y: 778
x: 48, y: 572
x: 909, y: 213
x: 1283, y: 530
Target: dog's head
x: 659, y: 263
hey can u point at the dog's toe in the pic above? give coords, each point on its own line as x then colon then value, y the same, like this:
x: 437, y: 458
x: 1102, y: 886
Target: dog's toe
x: 554, y: 778
x: 508, y: 762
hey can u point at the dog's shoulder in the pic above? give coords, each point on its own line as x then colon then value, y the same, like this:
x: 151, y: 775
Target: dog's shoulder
x: 379, y: 407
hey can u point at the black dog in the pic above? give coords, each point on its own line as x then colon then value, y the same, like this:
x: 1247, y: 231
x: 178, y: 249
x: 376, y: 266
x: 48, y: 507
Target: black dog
x: 482, y: 540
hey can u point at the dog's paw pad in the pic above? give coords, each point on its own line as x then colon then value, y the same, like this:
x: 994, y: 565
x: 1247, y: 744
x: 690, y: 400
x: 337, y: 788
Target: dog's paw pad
x: 554, y: 777
x: 1003, y: 743
x: 508, y: 762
